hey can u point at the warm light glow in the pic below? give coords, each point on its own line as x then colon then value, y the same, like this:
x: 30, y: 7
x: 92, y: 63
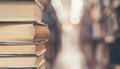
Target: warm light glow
x: 70, y: 56
x: 76, y: 11
x: 74, y: 15
x: 60, y: 11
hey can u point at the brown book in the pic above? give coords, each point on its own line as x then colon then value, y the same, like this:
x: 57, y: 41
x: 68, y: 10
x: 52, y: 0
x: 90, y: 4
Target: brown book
x: 19, y: 32
x: 21, y: 61
x: 21, y: 49
x: 20, y: 11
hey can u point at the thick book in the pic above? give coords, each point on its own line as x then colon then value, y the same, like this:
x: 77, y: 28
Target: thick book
x: 20, y: 55
x: 16, y: 62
